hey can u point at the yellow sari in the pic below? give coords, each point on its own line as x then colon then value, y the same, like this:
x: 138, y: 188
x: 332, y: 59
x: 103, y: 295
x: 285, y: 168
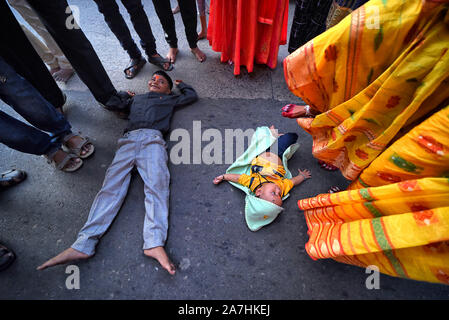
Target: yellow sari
x: 371, y: 84
x: 377, y: 71
x: 403, y: 227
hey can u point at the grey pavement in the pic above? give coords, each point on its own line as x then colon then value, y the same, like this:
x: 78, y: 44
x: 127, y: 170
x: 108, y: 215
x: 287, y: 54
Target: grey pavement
x: 217, y: 256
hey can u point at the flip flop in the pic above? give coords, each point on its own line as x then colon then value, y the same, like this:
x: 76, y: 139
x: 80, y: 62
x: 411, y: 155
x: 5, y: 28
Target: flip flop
x: 134, y: 66
x: 7, y: 257
x: 11, y: 177
x: 159, y: 61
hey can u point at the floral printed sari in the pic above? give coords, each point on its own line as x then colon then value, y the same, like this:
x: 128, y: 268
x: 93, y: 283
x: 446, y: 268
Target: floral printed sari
x: 380, y: 91
x: 371, y: 75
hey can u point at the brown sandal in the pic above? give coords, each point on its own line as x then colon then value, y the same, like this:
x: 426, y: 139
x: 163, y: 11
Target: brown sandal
x: 79, y: 147
x: 63, y: 165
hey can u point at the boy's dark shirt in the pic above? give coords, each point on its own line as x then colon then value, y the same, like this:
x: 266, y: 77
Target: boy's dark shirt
x: 154, y: 110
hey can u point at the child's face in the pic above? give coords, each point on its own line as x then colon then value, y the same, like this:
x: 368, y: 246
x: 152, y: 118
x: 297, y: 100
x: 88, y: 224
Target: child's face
x: 270, y: 192
x: 158, y: 84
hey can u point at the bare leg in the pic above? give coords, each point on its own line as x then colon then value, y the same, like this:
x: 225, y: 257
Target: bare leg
x: 160, y: 255
x: 203, y: 33
x: 66, y: 256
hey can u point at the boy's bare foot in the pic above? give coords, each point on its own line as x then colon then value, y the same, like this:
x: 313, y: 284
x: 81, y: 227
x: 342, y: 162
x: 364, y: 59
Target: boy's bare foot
x: 160, y: 255
x: 66, y: 256
x: 200, y: 56
x: 175, y: 10
x: 171, y: 55
x: 63, y: 75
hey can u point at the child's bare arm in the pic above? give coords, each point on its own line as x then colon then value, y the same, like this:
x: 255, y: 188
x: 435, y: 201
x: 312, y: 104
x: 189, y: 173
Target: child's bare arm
x: 303, y: 175
x: 228, y: 177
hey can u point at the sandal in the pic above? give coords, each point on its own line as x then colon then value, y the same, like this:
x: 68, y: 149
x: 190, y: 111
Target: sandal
x: 64, y: 164
x: 11, y: 177
x: 77, y: 149
x: 7, y: 257
x: 134, y: 66
x: 327, y: 166
x: 159, y: 61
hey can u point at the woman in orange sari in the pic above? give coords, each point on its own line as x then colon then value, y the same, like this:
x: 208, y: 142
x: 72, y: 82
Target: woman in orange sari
x: 248, y: 31
x: 378, y: 84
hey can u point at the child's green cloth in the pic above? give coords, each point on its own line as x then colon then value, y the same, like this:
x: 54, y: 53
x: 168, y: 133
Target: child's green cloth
x: 259, y: 212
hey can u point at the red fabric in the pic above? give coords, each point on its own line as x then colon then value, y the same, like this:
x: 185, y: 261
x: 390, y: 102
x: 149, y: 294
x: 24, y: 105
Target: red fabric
x: 248, y: 31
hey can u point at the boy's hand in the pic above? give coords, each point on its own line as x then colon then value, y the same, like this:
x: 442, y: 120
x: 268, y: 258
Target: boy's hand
x: 131, y: 93
x: 178, y: 82
x: 306, y: 174
x: 218, y: 179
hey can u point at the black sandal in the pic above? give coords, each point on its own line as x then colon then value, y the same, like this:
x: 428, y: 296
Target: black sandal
x: 159, y: 61
x: 11, y: 177
x: 7, y: 257
x: 134, y: 66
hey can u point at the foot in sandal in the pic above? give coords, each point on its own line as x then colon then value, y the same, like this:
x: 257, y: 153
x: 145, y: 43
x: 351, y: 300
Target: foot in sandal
x: 64, y: 161
x: 78, y: 145
x: 133, y: 67
x: 7, y: 257
x: 157, y: 60
x: 11, y: 177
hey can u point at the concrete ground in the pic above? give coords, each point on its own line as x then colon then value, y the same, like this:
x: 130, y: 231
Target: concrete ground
x: 217, y: 256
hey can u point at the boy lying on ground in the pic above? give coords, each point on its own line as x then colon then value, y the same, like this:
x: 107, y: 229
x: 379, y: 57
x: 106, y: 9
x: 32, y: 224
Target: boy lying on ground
x: 142, y: 146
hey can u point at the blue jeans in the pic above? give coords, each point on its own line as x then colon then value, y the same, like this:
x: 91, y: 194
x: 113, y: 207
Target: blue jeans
x: 19, y: 94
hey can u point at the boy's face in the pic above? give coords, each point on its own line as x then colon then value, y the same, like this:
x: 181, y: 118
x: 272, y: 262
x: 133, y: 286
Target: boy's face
x: 158, y: 84
x: 270, y: 192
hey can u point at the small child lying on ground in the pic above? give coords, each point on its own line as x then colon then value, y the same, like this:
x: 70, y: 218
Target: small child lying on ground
x: 267, y: 179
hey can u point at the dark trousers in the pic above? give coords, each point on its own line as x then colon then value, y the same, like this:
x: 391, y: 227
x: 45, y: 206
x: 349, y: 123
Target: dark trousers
x: 188, y: 12
x: 18, y: 93
x: 283, y: 142
x: 309, y: 20
x: 189, y: 19
x: 72, y: 41
x: 20, y: 54
x: 117, y: 24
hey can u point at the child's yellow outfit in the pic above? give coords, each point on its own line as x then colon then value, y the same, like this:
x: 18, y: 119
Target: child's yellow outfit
x: 263, y: 171
x: 260, y: 212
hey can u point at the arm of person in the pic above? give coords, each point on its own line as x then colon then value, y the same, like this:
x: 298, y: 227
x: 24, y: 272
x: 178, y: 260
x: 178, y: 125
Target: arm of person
x: 188, y: 94
x: 227, y: 177
x: 303, y: 175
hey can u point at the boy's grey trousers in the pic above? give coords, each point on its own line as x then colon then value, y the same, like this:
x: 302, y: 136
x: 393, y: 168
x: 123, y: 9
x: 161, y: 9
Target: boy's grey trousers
x: 145, y: 149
